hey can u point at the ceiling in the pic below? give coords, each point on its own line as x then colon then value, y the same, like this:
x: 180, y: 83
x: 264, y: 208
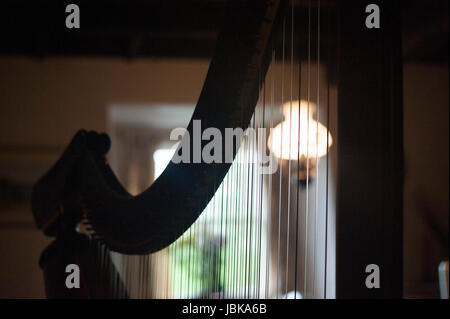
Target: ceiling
x: 173, y: 28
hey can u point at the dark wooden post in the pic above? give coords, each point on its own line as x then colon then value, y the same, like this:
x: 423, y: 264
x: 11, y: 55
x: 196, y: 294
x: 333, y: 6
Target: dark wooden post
x: 370, y: 151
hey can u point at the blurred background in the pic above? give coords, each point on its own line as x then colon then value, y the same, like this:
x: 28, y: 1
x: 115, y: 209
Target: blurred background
x: 139, y: 75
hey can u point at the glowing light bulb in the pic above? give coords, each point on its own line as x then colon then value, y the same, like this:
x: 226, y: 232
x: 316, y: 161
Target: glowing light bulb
x: 299, y: 130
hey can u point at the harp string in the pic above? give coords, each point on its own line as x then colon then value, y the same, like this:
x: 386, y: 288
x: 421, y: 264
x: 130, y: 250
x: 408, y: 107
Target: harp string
x: 317, y: 154
x: 222, y: 244
x: 298, y: 184
x: 269, y: 205
x: 230, y: 209
x: 262, y: 148
x: 290, y: 148
x: 246, y: 209
x: 307, y: 152
x: 227, y: 252
x: 327, y: 159
x: 255, y: 211
x: 281, y: 166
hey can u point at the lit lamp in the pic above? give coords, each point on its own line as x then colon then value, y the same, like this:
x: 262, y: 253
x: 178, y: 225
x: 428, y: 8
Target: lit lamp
x: 300, y: 131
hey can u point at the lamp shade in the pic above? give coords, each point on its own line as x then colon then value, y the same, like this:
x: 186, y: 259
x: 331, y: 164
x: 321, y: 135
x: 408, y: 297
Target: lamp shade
x: 299, y: 128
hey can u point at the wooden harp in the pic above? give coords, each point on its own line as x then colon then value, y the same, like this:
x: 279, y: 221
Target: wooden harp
x: 316, y: 227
